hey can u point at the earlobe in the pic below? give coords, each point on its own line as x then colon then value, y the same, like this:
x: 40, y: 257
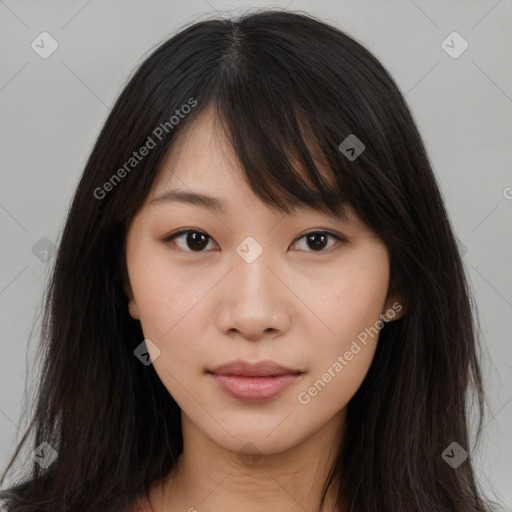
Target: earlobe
x: 394, y: 309
x: 133, y: 310
x: 132, y: 306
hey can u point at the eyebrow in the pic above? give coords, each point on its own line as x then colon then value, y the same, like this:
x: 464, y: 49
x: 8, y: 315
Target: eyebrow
x: 209, y: 202
x: 182, y: 196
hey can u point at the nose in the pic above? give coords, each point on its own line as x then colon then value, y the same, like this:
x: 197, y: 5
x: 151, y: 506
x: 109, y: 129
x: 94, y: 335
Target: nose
x: 255, y: 302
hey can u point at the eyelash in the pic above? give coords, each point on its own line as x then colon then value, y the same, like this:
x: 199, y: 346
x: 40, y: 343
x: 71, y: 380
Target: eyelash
x: 173, y: 236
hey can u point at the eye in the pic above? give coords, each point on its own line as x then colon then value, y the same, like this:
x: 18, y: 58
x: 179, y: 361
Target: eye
x: 197, y: 241
x: 317, y: 240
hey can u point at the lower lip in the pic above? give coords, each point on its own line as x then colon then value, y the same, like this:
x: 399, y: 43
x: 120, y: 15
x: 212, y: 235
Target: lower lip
x: 254, y: 389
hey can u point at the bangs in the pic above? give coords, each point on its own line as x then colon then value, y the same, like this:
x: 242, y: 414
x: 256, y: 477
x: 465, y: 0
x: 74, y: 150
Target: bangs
x: 285, y: 161
x: 283, y: 167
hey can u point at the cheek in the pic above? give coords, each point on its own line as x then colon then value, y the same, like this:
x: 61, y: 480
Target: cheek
x: 353, y: 298
x: 170, y: 316
x: 173, y: 313
x: 170, y: 303
x: 343, y: 355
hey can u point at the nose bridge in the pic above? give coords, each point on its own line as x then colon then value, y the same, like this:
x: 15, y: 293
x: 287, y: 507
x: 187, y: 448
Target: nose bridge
x: 253, y: 304
x: 251, y: 275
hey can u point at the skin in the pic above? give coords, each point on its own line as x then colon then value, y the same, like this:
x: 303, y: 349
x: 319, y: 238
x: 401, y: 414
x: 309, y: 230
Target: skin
x: 295, y: 305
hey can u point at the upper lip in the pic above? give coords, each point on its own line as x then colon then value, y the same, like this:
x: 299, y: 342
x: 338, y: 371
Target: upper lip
x: 256, y: 369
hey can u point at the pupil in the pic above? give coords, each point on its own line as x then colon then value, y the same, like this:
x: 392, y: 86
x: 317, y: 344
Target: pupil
x: 192, y: 240
x: 316, y: 242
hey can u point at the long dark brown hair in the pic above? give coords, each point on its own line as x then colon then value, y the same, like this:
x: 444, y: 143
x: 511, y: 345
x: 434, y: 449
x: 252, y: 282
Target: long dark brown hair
x: 287, y: 88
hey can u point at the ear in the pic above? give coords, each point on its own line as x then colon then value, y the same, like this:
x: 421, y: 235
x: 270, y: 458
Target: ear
x: 132, y: 305
x: 394, y: 308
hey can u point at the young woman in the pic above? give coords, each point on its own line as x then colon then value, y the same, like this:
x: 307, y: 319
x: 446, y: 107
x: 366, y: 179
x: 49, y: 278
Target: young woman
x: 258, y: 302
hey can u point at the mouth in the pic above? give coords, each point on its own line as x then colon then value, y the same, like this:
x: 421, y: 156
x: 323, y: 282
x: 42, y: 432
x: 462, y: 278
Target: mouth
x: 254, y: 382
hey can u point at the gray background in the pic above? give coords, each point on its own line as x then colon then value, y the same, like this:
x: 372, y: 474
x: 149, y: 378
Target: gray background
x: 53, y: 109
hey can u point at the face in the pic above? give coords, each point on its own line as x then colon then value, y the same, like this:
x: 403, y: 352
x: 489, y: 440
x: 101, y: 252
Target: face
x: 303, y: 292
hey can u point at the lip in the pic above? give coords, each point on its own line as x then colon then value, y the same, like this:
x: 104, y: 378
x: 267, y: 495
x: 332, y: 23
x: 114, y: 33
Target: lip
x: 254, y: 382
x: 264, y: 368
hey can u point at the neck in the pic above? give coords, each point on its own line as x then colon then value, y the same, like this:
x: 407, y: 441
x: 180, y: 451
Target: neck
x: 211, y: 478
